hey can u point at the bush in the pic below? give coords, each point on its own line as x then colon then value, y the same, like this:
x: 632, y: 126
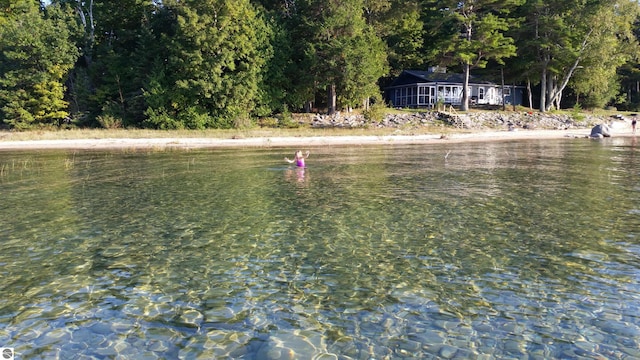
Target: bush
x: 375, y: 113
x: 160, y: 119
x: 242, y: 122
x: 109, y: 121
x: 576, y: 112
x: 268, y: 122
x: 286, y: 119
x: 192, y: 118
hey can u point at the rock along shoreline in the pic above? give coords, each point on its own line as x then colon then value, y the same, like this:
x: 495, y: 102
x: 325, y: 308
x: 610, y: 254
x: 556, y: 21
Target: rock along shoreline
x: 474, y: 127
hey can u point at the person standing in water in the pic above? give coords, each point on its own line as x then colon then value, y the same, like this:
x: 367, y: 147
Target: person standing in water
x: 633, y: 125
x: 298, y: 159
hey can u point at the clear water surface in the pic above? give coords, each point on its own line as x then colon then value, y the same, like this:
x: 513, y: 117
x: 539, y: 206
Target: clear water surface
x: 509, y: 250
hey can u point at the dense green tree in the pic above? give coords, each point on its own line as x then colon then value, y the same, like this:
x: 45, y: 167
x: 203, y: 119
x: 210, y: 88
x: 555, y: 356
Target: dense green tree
x: 629, y: 75
x: 115, y: 46
x: 119, y: 47
x: 286, y: 82
x: 399, y: 24
x: 217, y: 63
x: 614, y: 45
x: 347, y: 56
x: 214, y: 65
x: 297, y: 57
x: 573, y: 37
x: 36, y: 54
x: 404, y: 36
x: 470, y: 33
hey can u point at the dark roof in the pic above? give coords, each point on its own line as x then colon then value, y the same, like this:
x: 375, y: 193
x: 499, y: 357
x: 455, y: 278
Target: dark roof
x: 421, y: 76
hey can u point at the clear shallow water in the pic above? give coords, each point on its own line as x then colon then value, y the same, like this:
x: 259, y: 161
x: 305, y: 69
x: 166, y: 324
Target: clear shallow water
x: 522, y: 249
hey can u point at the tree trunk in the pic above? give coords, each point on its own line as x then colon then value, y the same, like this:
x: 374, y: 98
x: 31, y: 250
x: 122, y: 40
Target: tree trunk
x: 543, y: 90
x: 530, y: 94
x: 366, y: 102
x: 558, y: 99
x: 331, y: 99
x: 550, y: 93
x: 308, y: 106
x: 89, y: 29
x: 465, y: 86
x: 558, y: 88
x: 504, y: 105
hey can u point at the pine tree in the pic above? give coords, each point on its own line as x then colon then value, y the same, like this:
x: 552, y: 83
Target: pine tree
x: 215, y: 59
x: 469, y: 33
x: 347, y: 55
x: 36, y: 54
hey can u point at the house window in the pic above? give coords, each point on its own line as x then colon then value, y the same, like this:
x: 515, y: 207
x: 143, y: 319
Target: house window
x: 407, y: 96
x: 423, y: 95
x: 481, y: 94
x: 450, y: 94
x: 411, y: 96
x: 506, y: 91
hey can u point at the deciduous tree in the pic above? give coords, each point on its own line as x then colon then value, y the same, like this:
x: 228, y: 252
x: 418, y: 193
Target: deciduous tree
x: 570, y: 37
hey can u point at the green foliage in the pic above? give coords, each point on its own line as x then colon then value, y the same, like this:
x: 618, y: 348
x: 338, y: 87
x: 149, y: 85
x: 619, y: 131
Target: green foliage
x: 159, y: 118
x: 194, y: 118
x: 36, y: 54
x: 343, y: 50
x: 286, y: 119
x: 576, y: 112
x: 470, y: 33
x: 216, y: 60
x: 198, y: 64
x: 276, y: 87
x: 376, y: 112
x: 575, y: 43
x: 268, y: 122
x: 109, y: 121
x: 403, y: 32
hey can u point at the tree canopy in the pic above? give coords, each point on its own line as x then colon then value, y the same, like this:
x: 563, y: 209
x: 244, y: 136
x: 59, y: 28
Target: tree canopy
x: 223, y: 63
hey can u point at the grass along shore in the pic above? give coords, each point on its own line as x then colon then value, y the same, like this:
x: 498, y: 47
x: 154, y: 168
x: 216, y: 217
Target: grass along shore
x: 257, y: 132
x: 305, y: 130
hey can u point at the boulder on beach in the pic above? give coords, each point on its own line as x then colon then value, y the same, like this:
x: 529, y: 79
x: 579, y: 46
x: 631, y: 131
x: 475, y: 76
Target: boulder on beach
x: 600, y: 131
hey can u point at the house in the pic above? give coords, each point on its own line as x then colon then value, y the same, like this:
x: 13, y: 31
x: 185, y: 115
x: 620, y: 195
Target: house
x: 425, y: 89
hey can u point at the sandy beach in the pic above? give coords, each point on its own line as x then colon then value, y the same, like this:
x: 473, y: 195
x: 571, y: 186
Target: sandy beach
x: 288, y: 141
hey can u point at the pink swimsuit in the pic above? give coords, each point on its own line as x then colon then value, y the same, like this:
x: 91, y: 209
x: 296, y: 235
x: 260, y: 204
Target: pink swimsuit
x: 300, y: 162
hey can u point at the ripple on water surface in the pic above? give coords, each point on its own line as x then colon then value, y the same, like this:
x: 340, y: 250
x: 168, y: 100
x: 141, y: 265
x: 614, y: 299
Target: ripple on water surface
x: 498, y: 250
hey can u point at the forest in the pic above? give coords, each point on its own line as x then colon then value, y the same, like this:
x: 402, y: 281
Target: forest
x: 196, y: 64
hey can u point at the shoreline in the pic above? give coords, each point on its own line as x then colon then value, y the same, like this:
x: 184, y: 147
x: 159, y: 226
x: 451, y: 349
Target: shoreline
x: 290, y: 141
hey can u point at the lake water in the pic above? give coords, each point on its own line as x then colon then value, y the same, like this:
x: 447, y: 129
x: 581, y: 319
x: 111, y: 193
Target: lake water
x: 526, y: 249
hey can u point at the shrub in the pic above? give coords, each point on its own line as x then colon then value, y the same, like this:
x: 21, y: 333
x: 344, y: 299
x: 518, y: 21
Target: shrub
x: 242, y: 122
x: 160, y: 119
x: 268, y: 122
x: 109, y: 121
x: 375, y: 113
x: 192, y: 118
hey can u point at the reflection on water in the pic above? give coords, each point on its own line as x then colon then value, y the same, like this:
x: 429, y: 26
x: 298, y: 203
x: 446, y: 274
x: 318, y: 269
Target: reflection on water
x: 496, y: 250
